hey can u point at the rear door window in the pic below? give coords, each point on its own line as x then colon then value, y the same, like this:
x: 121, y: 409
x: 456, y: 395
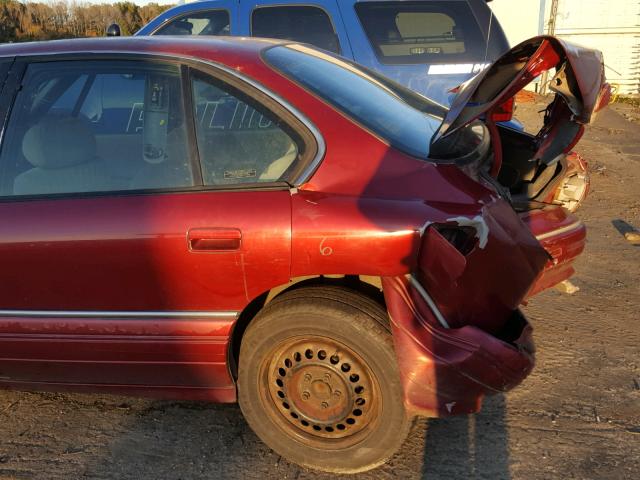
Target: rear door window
x: 5, y: 64
x: 209, y: 22
x: 422, y: 32
x: 239, y: 140
x: 300, y: 23
x: 97, y: 126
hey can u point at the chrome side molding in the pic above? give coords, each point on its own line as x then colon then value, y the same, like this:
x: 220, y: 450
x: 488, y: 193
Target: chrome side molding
x: 118, y: 314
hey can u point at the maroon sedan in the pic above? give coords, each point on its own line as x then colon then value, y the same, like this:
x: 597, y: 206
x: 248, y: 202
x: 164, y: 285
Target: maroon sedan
x: 263, y: 222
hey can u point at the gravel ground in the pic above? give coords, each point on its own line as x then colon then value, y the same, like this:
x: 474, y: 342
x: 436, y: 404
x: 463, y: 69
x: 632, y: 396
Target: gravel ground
x: 576, y: 416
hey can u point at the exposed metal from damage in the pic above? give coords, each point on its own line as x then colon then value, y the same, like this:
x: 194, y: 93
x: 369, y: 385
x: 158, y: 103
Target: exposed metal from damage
x: 466, y: 337
x: 478, y: 223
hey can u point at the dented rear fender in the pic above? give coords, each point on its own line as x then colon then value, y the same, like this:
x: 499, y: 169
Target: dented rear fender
x: 481, y: 283
x: 449, y: 371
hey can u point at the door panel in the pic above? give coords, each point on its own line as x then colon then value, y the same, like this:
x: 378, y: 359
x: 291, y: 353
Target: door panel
x: 142, y: 298
x: 131, y: 252
x: 136, y: 281
x: 126, y: 352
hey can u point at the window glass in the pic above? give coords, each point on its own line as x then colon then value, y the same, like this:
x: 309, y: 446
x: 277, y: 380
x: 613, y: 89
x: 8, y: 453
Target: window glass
x: 299, y: 23
x: 5, y: 64
x: 239, y: 141
x: 403, y: 118
x: 96, y: 126
x: 422, y: 32
x: 210, y: 22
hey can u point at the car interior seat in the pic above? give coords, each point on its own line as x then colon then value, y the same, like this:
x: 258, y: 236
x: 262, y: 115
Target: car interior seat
x: 62, y: 152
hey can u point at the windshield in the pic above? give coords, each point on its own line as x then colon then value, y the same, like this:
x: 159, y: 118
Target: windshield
x: 403, y: 118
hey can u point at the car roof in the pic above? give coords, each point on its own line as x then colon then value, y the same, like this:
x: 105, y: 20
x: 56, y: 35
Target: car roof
x: 232, y: 51
x: 203, y: 4
x: 198, y: 5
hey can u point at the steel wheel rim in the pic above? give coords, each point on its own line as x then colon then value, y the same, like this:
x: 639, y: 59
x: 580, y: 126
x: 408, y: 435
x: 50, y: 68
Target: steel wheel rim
x: 321, y: 391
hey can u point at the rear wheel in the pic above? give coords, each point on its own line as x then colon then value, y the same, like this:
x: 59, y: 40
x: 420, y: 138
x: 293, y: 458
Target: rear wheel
x: 318, y: 380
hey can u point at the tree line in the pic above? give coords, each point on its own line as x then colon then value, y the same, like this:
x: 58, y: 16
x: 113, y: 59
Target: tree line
x: 24, y: 21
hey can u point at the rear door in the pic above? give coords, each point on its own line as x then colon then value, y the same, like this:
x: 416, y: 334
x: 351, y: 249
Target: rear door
x: 126, y: 259
x: 315, y: 22
x: 429, y: 46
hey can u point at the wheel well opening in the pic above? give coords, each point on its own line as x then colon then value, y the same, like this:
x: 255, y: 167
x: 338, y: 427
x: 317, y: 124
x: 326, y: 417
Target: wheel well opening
x: 369, y: 286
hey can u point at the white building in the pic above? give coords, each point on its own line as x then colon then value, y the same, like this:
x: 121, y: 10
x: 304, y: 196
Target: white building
x: 612, y: 27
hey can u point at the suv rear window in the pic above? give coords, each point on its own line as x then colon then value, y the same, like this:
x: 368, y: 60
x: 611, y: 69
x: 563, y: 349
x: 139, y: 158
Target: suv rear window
x: 422, y: 32
x: 403, y: 118
x: 298, y: 23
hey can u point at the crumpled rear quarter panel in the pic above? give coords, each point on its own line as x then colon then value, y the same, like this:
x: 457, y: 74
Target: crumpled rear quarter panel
x: 448, y: 371
x: 496, y: 275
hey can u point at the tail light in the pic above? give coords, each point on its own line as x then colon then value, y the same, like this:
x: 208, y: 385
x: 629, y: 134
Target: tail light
x: 603, y: 99
x: 575, y: 186
x: 572, y: 191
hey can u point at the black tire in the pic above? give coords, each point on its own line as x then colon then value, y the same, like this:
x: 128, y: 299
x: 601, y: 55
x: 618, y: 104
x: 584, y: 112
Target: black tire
x: 318, y: 380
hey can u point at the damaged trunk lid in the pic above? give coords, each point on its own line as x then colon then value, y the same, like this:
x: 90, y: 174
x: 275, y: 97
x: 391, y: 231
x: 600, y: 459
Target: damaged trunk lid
x: 578, y: 83
x: 484, y: 285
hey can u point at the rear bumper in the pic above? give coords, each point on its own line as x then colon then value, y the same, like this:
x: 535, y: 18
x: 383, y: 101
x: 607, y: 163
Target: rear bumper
x: 448, y: 371
x: 563, y: 236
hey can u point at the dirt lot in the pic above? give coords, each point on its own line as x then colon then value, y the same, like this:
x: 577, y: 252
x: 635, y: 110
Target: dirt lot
x: 577, y: 416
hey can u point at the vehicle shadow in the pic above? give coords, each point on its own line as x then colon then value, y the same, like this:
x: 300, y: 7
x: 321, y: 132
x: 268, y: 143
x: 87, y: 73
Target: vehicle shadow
x: 178, y: 440
x: 471, y: 446
x: 187, y: 440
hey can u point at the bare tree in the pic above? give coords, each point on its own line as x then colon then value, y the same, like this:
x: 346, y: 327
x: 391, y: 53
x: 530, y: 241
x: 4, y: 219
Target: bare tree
x: 24, y: 21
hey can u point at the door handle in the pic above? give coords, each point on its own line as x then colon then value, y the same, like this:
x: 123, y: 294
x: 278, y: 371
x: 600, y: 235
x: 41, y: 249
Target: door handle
x: 214, y: 239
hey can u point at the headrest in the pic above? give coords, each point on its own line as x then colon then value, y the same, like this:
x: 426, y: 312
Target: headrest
x: 58, y: 142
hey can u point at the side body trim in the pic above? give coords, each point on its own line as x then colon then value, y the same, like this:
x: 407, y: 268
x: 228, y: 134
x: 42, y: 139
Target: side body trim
x: 117, y: 314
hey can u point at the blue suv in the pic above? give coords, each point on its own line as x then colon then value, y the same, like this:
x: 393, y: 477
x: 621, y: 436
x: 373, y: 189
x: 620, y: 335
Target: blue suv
x: 429, y: 46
